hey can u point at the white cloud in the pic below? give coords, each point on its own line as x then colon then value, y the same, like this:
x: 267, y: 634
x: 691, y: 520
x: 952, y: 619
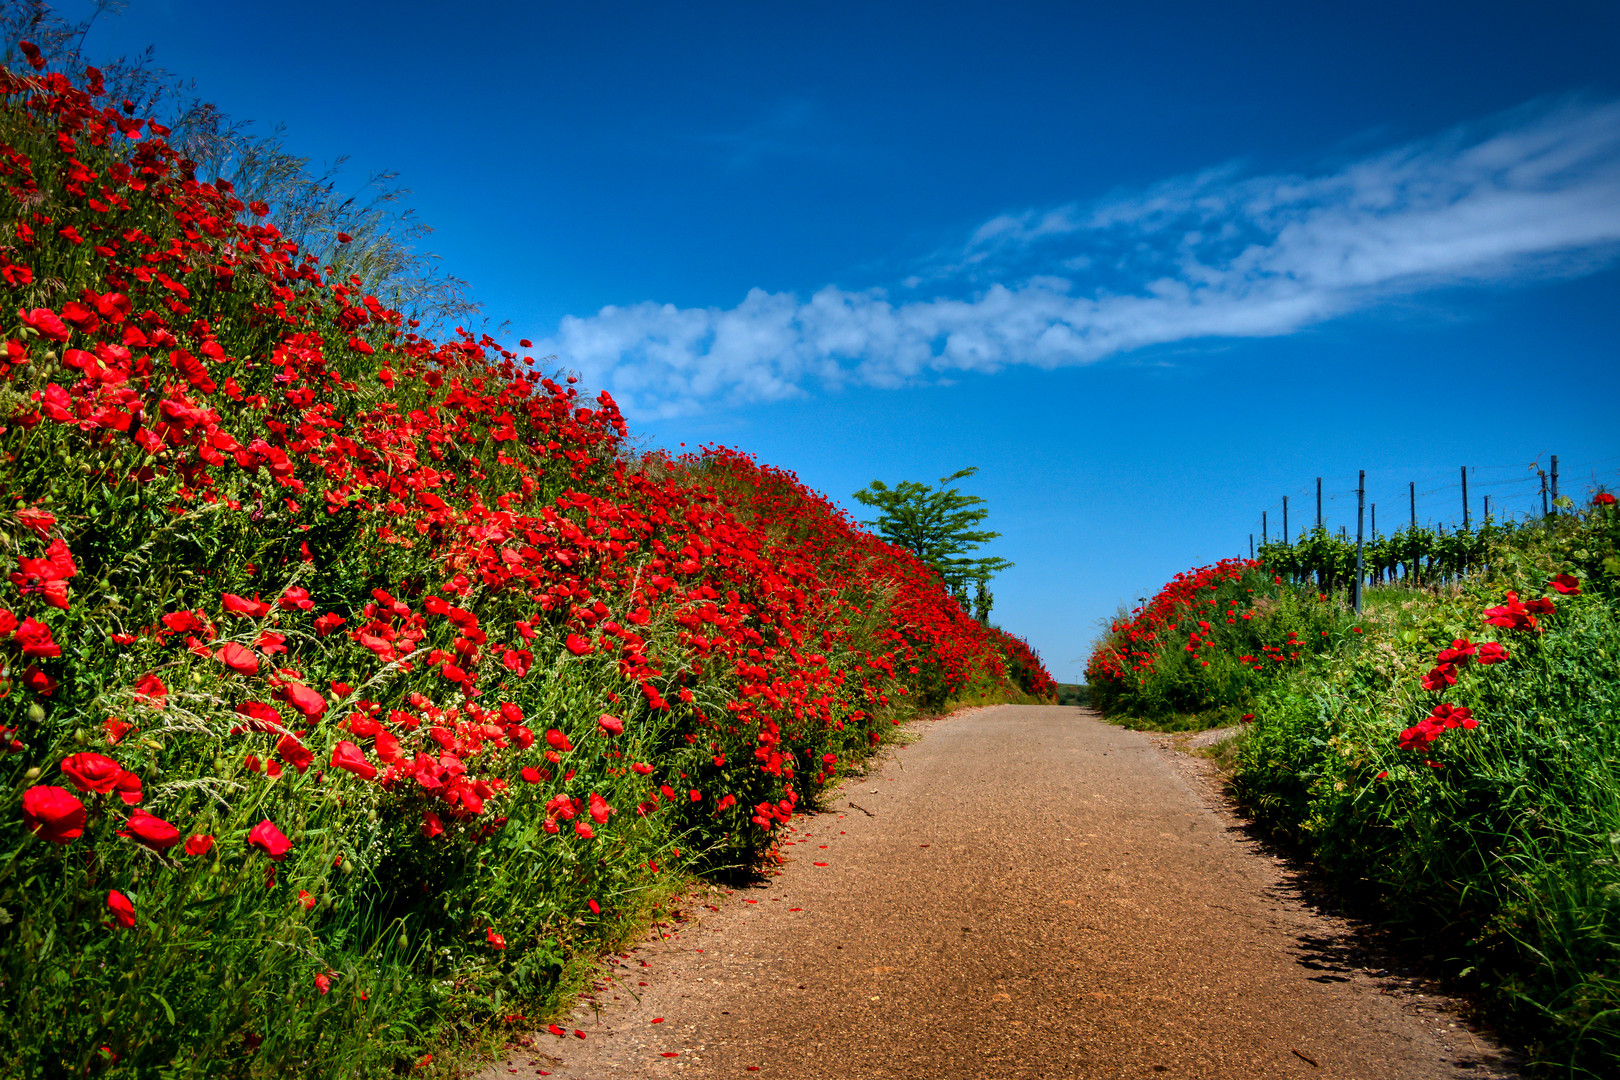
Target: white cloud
x: 1218, y: 254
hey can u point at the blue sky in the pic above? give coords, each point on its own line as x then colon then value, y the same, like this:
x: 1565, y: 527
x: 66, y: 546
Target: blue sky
x: 1150, y: 266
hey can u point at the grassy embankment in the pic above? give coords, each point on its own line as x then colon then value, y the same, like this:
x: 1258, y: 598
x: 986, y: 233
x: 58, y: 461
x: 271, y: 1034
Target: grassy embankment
x: 357, y: 688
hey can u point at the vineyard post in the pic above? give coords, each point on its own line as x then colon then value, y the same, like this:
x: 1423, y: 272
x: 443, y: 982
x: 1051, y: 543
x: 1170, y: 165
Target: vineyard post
x: 1555, y: 481
x: 1361, y: 510
x: 1487, y: 512
x: 1251, y: 547
x: 1411, y: 493
x: 1465, y: 497
x: 1318, y: 502
x: 1285, y: 519
x: 1265, y: 536
x: 1544, y: 510
x: 1373, y: 507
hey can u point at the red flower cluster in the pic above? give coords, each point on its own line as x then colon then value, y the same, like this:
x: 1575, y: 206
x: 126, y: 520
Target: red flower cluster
x: 1421, y: 736
x: 1516, y: 615
x: 214, y: 362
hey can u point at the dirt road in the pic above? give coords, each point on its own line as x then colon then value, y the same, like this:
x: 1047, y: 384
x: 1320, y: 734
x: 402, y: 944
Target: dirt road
x: 1024, y: 892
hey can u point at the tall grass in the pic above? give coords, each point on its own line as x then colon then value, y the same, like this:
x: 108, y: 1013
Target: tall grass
x: 1496, y: 851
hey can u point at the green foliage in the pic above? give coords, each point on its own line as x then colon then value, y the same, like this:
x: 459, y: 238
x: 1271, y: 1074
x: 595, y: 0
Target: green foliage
x: 1495, y: 850
x: 939, y: 526
x: 1201, y: 650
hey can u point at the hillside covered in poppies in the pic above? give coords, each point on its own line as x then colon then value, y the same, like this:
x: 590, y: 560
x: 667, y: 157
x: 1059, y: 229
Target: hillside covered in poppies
x: 356, y: 684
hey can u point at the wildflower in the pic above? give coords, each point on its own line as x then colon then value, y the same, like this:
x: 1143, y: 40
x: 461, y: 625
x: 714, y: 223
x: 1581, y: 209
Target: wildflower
x: 92, y: 772
x: 323, y: 982
x: 1491, y: 653
x: 1460, y: 651
x: 294, y: 753
x: 150, y: 688
x: 302, y: 698
x: 53, y: 814
x: 237, y: 605
x: 295, y: 599
x: 35, y: 639
x: 270, y: 840
x: 612, y: 725
x: 238, y: 658
x: 121, y: 908
x: 599, y: 809
x: 201, y: 844
x: 431, y: 825
x: 349, y: 757
x: 1440, y: 677
x: 495, y: 940
x: 1512, y: 615
x: 150, y: 830
x: 1567, y: 584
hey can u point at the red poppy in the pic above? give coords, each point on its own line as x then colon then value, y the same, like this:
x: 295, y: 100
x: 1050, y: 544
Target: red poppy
x: 38, y: 682
x: 46, y: 324
x: 579, y: 646
x: 90, y: 771
x: 305, y: 898
x: 583, y: 830
x: 610, y: 724
x: 122, y: 909
x: 150, y: 830
x: 238, y: 605
x: 151, y: 688
x: 302, y: 698
x: 1566, y: 584
x: 1491, y: 653
x: 1461, y: 650
x: 294, y: 753
x: 53, y: 814
x: 495, y: 940
x: 558, y: 741
x: 1603, y: 498
x: 270, y: 840
x: 323, y: 982
x: 129, y: 788
x: 295, y: 599
x: 261, y: 717
x: 600, y: 810
x: 431, y: 825
x: 199, y: 845
x: 1512, y: 615
x: 1440, y: 677
x: 35, y: 639
x: 238, y: 658
x: 327, y: 623
x: 349, y: 757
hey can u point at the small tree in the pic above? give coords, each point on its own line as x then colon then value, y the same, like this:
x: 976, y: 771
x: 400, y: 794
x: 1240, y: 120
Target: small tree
x: 938, y: 526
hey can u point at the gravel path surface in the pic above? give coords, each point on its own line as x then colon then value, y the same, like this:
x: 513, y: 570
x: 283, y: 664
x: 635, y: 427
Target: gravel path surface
x: 1024, y: 892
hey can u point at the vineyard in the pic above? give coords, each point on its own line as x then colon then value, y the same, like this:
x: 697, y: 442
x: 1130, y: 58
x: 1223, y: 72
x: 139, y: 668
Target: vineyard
x: 359, y: 687
x: 1447, y: 756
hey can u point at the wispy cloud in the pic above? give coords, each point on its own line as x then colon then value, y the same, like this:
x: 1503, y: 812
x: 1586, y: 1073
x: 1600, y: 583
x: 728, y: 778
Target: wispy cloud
x: 1221, y: 254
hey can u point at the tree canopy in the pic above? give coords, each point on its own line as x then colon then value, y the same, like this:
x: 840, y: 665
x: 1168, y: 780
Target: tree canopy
x: 939, y: 526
